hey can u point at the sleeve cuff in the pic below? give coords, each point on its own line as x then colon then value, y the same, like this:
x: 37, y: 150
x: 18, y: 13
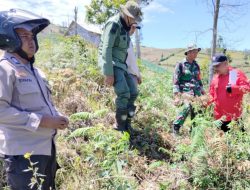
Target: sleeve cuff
x: 108, y: 70
x: 34, y: 121
x: 58, y: 113
x: 203, y: 92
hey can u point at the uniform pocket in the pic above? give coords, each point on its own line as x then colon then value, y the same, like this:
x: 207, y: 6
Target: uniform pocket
x: 123, y: 41
x: 120, y: 84
x: 29, y: 96
x: 118, y: 74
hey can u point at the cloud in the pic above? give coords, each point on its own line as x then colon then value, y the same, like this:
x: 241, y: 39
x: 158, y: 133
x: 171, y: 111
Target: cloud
x: 157, y: 7
x: 154, y: 8
x: 58, y: 11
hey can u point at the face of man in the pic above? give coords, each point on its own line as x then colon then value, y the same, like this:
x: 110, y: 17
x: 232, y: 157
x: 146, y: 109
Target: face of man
x: 132, y: 30
x: 192, y: 55
x: 28, y: 43
x: 222, y: 68
x: 129, y: 21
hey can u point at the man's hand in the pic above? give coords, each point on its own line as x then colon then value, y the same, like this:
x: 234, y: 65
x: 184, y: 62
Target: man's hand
x: 109, y: 80
x: 139, y: 80
x: 202, y: 100
x: 54, y: 122
x: 187, y: 97
x: 177, y: 99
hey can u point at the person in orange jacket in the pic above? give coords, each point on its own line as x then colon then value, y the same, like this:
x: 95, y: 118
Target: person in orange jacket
x: 227, y: 89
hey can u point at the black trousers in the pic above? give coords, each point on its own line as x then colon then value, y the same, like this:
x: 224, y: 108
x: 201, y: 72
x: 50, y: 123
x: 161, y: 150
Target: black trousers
x: 17, y: 179
x: 224, y: 127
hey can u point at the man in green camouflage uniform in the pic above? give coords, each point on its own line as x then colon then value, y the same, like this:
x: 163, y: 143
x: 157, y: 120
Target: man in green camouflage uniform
x: 187, y: 85
x: 112, y: 59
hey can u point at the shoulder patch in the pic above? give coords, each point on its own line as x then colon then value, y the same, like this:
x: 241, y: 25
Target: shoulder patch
x: 15, y: 60
x: 114, y: 28
x: 2, y: 60
x: 21, y: 73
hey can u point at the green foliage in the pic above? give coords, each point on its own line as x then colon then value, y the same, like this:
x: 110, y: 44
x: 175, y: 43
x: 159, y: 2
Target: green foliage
x: 109, y: 151
x: 79, y: 133
x: 100, y: 113
x: 155, y: 165
x: 81, y: 116
x: 204, y: 66
x: 2, y: 177
x: 220, y: 43
x: 99, y: 11
x: 87, y: 116
x: 70, y: 52
x: 246, y: 56
x: 214, y: 158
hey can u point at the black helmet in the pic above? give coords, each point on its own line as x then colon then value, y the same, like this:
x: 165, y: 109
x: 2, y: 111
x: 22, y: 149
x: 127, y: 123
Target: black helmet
x: 16, y: 18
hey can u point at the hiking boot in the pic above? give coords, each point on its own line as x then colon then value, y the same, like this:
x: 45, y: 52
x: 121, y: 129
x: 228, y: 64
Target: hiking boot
x: 131, y: 113
x: 128, y: 125
x: 121, y: 120
x: 176, y: 129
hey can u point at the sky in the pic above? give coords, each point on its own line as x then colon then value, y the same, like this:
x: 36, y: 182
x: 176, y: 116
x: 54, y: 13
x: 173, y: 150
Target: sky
x: 166, y: 24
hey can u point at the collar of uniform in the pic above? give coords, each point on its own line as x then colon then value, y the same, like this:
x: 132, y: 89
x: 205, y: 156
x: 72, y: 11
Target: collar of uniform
x: 12, y: 59
x: 186, y: 61
x: 124, y: 24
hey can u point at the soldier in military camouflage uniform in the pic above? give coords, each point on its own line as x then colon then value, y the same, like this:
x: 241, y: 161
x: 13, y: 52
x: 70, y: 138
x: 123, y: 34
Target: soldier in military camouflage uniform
x: 187, y: 85
x: 112, y: 59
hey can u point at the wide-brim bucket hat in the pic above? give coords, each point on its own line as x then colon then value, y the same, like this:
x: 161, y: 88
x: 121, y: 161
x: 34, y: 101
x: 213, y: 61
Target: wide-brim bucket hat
x: 133, y: 10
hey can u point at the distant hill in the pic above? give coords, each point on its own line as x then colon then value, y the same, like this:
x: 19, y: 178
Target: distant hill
x: 168, y: 57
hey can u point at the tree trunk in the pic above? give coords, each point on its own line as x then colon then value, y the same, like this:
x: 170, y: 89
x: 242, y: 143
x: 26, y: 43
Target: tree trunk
x: 137, y: 42
x: 137, y: 39
x: 76, y: 17
x: 213, y: 49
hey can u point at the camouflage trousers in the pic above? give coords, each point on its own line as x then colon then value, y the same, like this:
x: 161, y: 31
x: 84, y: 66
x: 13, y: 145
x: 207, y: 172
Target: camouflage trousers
x: 183, y: 114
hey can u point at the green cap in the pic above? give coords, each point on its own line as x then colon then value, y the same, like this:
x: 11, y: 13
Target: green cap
x: 133, y: 10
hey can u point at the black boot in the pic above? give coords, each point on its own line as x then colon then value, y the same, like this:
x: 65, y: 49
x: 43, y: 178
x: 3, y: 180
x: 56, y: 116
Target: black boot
x: 131, y: 113
x: 128, y: 125
x: 176, y: 129
x: 121, y: 119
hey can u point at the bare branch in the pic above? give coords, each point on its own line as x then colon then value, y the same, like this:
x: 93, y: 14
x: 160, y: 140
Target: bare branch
x: 233, y: 5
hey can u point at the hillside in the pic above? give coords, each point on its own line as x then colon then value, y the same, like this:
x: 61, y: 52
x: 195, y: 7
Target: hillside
x: 94, y: 156
x: 171, y: 56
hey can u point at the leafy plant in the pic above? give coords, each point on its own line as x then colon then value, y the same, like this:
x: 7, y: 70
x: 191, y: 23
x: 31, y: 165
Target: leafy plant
x: 37, y: 178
